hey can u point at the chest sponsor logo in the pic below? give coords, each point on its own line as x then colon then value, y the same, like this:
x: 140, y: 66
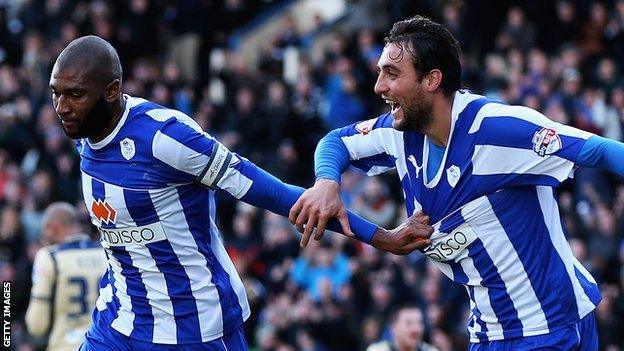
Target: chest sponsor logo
x: 143, y: 235
x: 103, y: 211
x: 452, y: 245
x: 546, y: 142
x: 127, y: 148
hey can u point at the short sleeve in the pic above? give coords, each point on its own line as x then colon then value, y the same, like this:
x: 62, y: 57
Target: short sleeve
x: 182, y: 145
x: 372, y: 144
x: 519, y: 146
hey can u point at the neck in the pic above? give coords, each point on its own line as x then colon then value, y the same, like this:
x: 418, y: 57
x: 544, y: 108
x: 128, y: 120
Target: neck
x: 117, y: 111
x: 440, y: 128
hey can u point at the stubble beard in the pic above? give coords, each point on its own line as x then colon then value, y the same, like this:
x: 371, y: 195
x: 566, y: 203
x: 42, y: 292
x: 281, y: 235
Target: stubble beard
x: 94, y: 123
x: 416, y: 115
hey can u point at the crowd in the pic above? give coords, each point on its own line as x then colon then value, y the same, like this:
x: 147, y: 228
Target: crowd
x: 561, y: 57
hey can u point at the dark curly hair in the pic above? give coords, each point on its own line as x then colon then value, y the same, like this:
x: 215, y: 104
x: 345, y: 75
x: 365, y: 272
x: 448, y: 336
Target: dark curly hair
x: 431, y: 46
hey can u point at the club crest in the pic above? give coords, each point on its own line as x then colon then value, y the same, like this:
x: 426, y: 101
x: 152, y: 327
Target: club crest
x: 452, y: 175
x: 127, y: 148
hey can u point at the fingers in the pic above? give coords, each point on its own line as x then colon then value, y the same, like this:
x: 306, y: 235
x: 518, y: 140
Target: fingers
x: 307, y: 232
x: 420, y: 217
x: 294, y: 211
x: 344, y: 222
x: 415, y: 245
x: 320, y: 228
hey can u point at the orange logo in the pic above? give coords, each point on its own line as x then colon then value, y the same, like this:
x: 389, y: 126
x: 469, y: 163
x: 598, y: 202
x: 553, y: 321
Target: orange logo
x: 103, y: 211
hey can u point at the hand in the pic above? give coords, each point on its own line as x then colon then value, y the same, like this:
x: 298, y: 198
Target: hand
x: 413, y: 234
x: 316, y: 207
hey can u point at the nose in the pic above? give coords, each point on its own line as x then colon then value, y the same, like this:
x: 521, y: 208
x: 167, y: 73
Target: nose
x: 61, y: 106
x: 380, y: 85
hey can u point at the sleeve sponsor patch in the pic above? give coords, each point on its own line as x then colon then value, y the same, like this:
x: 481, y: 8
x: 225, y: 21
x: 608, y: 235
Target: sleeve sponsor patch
x: 546, y: 141
x: 365, y: 127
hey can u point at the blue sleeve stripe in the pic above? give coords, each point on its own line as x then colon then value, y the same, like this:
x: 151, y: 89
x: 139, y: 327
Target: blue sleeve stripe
x: 522, y: 137
x: 185, y: 135
x: 604, y: 153
x: 331, y: 157
x: 272, y: 194
x: 382, y: 160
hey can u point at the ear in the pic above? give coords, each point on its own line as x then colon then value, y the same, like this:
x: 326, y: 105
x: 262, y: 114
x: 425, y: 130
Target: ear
x: 433, y: 80
x: 113, y: 90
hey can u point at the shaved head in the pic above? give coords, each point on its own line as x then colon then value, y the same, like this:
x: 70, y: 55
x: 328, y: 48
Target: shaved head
x: 86, y: 88
x: 97, y: 57
x: 61, y: 212
x: 60, y: 220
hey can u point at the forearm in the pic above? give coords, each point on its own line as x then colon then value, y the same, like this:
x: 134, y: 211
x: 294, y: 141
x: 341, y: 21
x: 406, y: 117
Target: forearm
x: 36, y: 323
x: 602, y: 153
x: 272, y: 194
x: 331, y: 158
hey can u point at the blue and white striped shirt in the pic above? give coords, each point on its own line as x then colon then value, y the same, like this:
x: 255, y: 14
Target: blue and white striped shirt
x: 498, y: 230
x: 169, y: 280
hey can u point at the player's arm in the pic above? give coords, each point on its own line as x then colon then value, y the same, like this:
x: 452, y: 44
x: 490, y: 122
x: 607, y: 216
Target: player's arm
x: 201, y: 158
x: 363, y: 145
x: 41, y: 304
x: 266, y: 191
x: 602, y: 153
x: 543, y: 152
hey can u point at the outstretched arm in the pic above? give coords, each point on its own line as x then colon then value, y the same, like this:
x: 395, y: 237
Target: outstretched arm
x: 192, y: 155
x: 269, y: 192
x: 362, y: 145
x: 322, y: 202
x: 603, y: 153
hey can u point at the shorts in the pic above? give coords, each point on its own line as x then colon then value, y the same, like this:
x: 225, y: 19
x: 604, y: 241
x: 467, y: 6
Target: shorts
x: 581, y: 336
x: 112, y: 340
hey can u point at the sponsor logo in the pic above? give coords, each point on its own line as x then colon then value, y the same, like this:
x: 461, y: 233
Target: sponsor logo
x: 103, y: 211
x: 453, y: 174
x: 451, y: 246
x: 127, y: 148
x: 132, y: 235
x: 546, y: 142
x: 365, y: 127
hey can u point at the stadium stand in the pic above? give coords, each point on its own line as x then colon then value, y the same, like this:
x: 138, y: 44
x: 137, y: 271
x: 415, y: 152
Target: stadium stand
x: 562, y: 57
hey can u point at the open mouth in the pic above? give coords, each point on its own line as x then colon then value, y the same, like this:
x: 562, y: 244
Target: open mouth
x: 394, y: 106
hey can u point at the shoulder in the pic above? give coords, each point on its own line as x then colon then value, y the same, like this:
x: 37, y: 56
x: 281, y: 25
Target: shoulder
x: 43, y: 264
x: 368, y: 126
x: 379, y: 346
x: 160, y: 114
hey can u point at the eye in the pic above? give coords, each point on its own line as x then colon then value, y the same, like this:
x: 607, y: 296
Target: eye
x: 76, y: 94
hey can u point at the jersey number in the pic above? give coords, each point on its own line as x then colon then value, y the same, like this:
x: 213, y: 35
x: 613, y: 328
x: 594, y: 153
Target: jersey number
x: 80, y: 298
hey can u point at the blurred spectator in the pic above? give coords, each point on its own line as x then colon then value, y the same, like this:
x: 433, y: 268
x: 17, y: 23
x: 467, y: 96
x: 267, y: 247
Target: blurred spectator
x: 322, y: 274
x: 408, y: 330
x: 517, y: 32
x: 566, y: 63
x: 375, y: 203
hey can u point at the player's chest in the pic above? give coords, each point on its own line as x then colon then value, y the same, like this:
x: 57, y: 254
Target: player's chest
x: 435, y: 184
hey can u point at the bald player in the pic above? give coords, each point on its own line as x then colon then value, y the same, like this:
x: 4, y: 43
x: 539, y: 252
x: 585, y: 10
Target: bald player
x: 149, y: 175
x: 65, y: 280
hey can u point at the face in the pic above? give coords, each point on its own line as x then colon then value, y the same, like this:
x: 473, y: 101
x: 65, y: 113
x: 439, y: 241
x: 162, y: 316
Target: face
x: 408, y: 328
x: 402, y: 88
x: 79, y: 103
